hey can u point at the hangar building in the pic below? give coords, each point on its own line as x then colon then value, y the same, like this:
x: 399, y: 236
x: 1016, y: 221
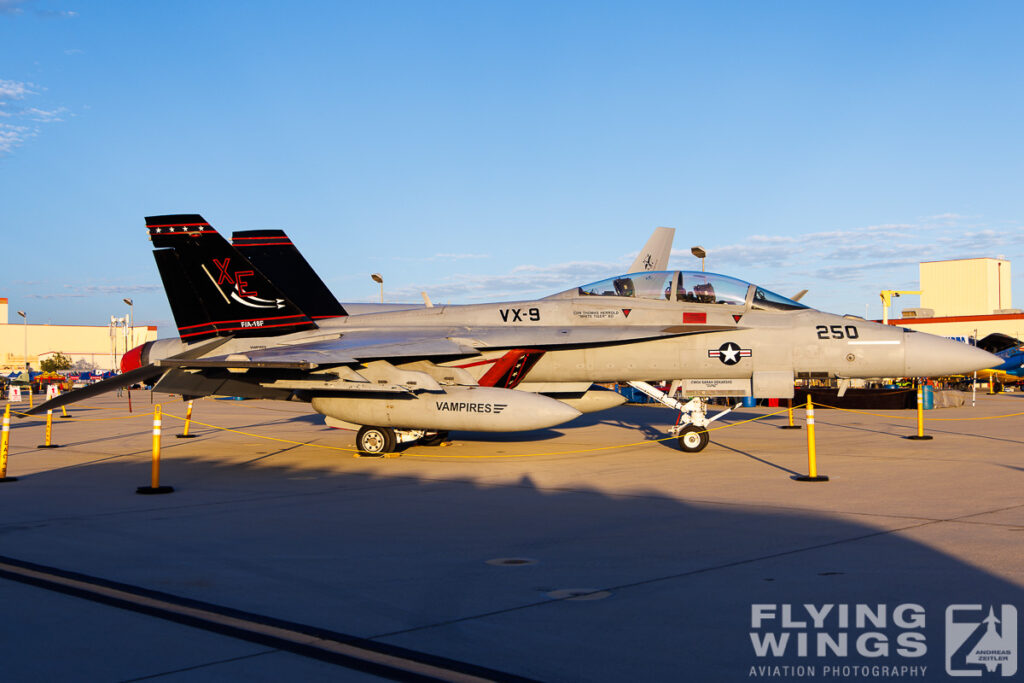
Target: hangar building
x: 965, y: 298
x: 100, y: 345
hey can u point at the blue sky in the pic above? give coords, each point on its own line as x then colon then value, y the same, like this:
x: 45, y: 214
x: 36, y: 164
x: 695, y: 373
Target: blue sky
x: 484, y: 150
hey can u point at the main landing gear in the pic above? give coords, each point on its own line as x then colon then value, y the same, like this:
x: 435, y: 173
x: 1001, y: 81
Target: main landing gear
x: 380, y: 440
x: 693, y: 422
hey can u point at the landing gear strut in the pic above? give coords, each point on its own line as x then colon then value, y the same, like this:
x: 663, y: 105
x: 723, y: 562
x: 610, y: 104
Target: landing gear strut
x: 693, y: 422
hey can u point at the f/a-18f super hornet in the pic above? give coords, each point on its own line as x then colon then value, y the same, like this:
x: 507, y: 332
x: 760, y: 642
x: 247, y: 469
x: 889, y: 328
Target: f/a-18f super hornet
x: 273, y: 254
x: 415, y: 374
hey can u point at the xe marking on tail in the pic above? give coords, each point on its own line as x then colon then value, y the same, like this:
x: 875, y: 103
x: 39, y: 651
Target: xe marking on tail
x: 223, y: 274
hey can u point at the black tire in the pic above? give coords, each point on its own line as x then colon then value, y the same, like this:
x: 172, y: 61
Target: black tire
x: 376, y: 440
x: 693, y: 439
x: 435, y: 439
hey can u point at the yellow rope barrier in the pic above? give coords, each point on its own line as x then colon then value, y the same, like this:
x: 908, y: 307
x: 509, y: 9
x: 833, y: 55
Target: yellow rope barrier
x: 86, y: 419
x: 268, y: 438
x: 930, y: 419
x: 464, y: 457
x: 503, y: 455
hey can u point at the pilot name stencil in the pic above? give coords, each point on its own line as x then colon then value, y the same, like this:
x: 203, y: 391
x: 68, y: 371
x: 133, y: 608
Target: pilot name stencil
x: 598, y: 315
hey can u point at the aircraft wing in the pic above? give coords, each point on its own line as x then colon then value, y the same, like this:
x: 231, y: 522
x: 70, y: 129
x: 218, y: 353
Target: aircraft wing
x: 192, y: 374
x: 412, y: 343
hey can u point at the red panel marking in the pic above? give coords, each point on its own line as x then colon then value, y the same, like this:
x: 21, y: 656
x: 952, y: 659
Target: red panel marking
x: 736, y: 318
x: 479, y: 362
x: 957, y: 319
x: 232, y: 329
x: 177, y: 225
x: 627, y: 311
x: 265, y: 244
x: 505, y: 365
x: 695, y: 317
x: 219, y: 322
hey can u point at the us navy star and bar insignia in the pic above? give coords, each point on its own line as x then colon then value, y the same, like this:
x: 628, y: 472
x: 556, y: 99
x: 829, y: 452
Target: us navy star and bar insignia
x: 729, y: 353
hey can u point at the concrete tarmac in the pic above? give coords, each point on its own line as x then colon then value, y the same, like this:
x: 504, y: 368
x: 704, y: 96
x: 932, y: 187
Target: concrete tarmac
x: 565, y: 554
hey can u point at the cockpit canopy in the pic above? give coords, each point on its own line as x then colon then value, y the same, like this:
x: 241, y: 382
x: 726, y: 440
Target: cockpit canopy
x: 688, y: 286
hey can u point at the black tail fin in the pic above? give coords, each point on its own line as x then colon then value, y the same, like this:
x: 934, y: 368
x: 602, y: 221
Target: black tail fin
x: 274, y: 254
x: 214, y: 290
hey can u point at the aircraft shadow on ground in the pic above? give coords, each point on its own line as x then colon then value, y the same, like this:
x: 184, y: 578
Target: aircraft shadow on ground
x: 403, y: 559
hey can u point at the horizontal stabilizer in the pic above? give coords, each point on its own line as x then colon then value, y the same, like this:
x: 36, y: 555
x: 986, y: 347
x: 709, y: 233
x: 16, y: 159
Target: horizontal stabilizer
x: 143, y: 374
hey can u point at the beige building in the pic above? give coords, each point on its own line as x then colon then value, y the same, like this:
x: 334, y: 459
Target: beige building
x: 100, y: 345
x: 975, y: 286
x: 965, y: 298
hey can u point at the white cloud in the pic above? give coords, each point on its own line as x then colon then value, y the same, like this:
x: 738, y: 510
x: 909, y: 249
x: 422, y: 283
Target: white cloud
x: 442, y: 257
x: 45, y: 115
x: 13, y: 136
x: 21, y: 119
x: 11, y: 6
x: 843, y: 269
x: 86, y: 291
x: 522, y: 282
x: 14, y: 90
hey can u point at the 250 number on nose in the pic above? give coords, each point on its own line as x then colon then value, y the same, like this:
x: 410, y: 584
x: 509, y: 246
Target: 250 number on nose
x: 837, y: 332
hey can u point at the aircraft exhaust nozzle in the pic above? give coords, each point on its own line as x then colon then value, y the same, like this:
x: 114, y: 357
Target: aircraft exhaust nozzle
x: 477, y: 409
x: 928, y: 355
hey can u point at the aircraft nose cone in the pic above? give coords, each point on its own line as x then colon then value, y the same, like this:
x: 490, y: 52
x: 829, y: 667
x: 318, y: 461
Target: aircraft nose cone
x: 930, y: 356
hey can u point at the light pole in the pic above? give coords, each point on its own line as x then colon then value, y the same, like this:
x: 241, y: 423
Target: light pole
x: 131, y: 322
x: 700, y: 253
x: 27, y: 366
x: 379, y: 279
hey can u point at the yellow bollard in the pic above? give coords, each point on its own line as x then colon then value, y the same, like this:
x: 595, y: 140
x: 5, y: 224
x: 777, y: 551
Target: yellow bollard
x: 155, y: 486
x: 4, y: 443
x: 789, y: 411
x: 188, y: 418
x: 49, y: 432
x: 64, y: 413
x: 920, y: 436
x: 812, y: 456
x: 30, y: 405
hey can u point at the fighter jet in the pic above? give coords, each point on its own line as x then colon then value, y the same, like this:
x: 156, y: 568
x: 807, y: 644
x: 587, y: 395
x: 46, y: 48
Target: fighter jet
x: 274, y: 254
x: 413, y: 375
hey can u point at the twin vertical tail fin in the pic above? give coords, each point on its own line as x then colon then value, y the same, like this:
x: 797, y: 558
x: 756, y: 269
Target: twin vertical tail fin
x: 213, y: 289
x: 273, y: 253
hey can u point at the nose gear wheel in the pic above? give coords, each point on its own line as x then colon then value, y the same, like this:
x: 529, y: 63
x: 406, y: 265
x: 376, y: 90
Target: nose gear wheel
x: 693, y: 439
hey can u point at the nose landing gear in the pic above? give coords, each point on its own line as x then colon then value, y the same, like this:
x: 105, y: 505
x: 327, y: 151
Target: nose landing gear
x: 692, y: 426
